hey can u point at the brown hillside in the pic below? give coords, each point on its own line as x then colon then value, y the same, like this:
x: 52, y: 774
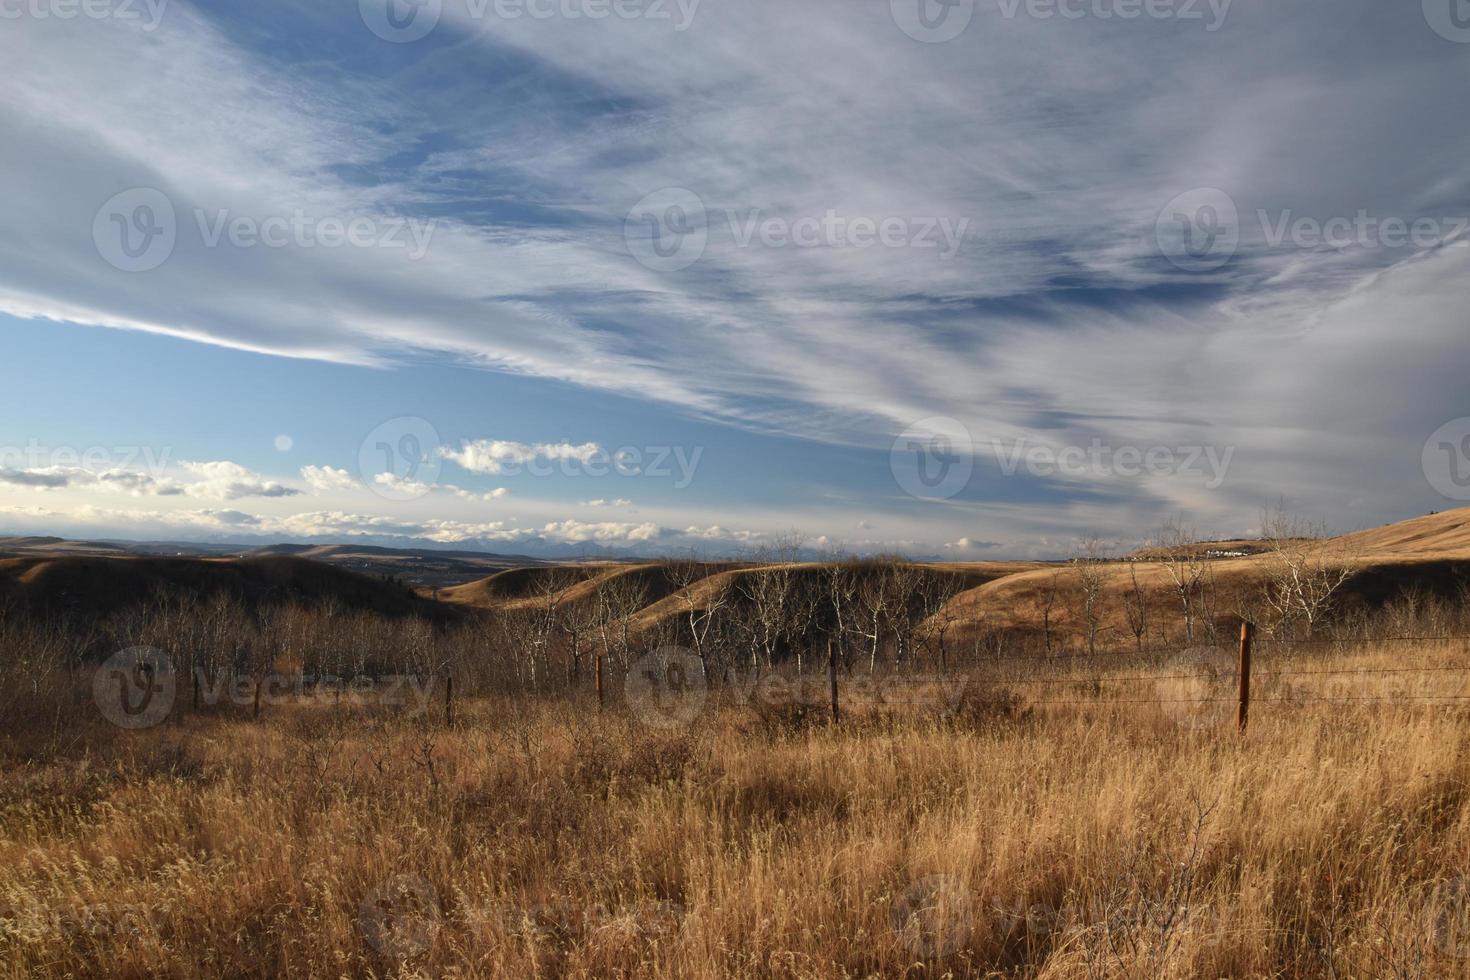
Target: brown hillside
x: 84, y: 587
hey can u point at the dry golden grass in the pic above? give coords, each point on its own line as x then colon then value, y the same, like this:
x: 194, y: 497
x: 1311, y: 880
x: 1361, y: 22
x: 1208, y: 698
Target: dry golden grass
x: 548, y: 839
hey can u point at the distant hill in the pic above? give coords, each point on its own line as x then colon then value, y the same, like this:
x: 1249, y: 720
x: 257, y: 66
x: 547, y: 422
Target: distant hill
x: 84, y: 587
x: 1430, y: 554
x: 423, y: 567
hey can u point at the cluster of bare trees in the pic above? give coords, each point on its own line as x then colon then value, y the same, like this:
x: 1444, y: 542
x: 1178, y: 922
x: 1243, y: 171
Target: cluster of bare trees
x: 1170, y: 594
x: 583, y: 627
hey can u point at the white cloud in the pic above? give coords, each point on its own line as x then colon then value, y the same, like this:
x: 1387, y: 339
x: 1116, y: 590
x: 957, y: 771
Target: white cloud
x: 74, y: 477
x: 620, y: 502
x: 604, y: 533
x: 499, y: 493
x: 501, y: 456
x: 324, y: 479
x: 223, y: 480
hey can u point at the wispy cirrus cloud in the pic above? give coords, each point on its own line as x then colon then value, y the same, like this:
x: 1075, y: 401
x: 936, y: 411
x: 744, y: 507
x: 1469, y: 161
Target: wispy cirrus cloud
x: 1055, y: 318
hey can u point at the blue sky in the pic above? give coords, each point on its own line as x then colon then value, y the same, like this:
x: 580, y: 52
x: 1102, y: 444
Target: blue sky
x: 976, y: 284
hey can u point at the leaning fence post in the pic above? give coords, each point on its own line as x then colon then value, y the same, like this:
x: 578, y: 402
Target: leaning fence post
x: 832, y: 678
x: 598, y: 657
x: 255, y: 712
x: 1247, y: 633
x: 449, y: 700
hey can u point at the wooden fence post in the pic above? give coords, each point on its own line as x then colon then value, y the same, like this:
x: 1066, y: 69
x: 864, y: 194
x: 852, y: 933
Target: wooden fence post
x: 449, y: 700
x: 194, y: 674
x: 599, y: 681
x: 1247, y: 633
x: 832, y: 678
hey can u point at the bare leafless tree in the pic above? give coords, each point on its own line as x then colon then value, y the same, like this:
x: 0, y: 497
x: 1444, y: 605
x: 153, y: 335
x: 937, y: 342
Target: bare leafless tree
x: 700, y: 600
x: 1048, y: 606
x: 1180, y: 556
x: 1136, y: 607
x: 1306, y: 570
x: 940, y: 616
x: 1090, y: 568
x: 769, y: 597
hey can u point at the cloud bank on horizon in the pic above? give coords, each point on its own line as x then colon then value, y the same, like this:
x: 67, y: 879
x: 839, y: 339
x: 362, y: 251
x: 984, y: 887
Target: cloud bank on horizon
x: 1095, y: 261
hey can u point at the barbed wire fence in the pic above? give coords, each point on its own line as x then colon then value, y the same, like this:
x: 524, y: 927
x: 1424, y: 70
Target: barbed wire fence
x: 1262, y: 670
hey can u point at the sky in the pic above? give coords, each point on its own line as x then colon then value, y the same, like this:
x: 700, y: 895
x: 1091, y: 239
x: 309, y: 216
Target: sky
x: 969, y: 279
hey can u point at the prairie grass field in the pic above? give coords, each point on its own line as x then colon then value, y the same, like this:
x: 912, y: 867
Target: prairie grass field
x: 1046, y: 820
